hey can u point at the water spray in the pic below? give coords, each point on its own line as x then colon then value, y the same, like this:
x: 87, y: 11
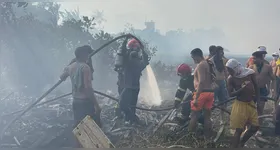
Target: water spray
x: 154, y: 89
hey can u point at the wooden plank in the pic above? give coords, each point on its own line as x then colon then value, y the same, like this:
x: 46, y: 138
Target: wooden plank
x: 90, y: 135
x: 83, y: 138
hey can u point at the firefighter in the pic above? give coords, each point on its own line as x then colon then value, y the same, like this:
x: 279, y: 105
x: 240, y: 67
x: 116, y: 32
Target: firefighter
x: 185, y: 83
x: 121, y: 55
x: 134, y: 61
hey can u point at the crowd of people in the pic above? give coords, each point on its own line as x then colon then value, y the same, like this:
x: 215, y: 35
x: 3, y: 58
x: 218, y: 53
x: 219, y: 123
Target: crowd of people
x: 217, y: 78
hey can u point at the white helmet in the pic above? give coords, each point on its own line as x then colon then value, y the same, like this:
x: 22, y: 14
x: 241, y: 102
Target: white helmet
x: 275, y: 54
x: 261, y: 48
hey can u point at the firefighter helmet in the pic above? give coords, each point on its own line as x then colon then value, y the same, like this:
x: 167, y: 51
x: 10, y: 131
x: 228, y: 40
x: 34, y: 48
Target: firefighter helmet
x: 133, y: 44
x: 184, y: 69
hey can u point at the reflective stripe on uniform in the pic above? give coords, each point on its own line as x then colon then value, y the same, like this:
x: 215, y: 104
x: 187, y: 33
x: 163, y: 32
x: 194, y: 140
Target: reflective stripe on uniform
x: 177, y: 99
x: 183, y: 90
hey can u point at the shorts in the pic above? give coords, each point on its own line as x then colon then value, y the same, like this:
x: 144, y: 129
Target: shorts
x: 243, y: 113
x: 221, y: 93
x: 264, y: 93
x: 205, y: 101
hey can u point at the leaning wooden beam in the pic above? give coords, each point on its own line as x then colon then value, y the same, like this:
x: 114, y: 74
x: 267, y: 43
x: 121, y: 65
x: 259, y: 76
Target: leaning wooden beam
x: 90, y: 135
x: 162, y: 121
x: 221, y: 130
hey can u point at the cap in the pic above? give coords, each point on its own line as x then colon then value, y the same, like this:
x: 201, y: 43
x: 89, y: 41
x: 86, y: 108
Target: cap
x: 275, y: 54
x: 261, y: 49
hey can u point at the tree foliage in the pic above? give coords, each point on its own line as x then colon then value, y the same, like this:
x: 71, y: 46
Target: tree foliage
x: 41, y: 49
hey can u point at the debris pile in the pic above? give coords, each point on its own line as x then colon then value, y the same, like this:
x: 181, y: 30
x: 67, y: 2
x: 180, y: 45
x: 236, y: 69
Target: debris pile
x: 50, y: 125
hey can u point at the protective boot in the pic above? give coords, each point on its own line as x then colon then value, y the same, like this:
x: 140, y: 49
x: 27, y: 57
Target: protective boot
x: 137, y: 121
x: 181, y: 119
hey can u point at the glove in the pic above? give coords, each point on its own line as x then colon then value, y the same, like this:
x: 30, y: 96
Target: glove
x: 177, y: 103
x: 129, y: 35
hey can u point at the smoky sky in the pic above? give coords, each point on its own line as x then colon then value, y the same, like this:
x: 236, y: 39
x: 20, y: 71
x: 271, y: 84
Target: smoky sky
x: 246, y: 24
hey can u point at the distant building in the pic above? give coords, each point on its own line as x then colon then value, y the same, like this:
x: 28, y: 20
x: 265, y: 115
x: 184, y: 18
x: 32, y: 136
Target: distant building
x: 150, y: 26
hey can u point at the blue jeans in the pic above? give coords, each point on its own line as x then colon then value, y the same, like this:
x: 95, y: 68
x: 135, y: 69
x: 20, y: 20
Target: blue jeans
x: 221, y: 93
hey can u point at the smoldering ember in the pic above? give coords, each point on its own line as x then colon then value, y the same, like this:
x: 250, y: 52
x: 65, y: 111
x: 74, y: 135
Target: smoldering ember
x: 37, y: 107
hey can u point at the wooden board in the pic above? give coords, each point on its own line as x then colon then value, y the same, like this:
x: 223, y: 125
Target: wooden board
x: 90, y: 135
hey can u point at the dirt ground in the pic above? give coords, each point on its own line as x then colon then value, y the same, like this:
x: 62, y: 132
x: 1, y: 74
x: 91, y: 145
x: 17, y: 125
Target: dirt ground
x: 50, y: 121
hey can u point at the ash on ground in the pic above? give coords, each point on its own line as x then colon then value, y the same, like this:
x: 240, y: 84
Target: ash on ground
x: 50, y: 126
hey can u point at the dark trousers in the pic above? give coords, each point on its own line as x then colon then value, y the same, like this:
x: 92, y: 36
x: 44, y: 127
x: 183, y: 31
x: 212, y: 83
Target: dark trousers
x: 120, y: 89
x: 82, y: 108
x: 277, y: 124
x: 277, y: 87
x: 128, y: 101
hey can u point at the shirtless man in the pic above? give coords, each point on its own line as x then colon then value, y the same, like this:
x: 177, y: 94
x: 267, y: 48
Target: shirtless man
x: 212, y: 52
x: 242, y: 83
x: 264, y: 75
x: 221, y: 93
x: 223, y: 55
x: 203, y: 81
x: 84, y: 101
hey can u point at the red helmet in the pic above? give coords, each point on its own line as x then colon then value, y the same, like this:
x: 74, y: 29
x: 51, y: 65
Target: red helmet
x: 184, y: 69
x: 133, y: 44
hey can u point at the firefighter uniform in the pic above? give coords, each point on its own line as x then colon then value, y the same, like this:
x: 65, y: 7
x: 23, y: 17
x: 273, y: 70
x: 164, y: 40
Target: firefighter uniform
x: 132, y: 66
x: 185, y: 83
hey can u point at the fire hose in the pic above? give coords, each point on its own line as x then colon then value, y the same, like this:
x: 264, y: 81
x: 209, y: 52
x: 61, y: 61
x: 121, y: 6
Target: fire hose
x: 59, y: 82
x: 97, y: 92
x: 117, y: 100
